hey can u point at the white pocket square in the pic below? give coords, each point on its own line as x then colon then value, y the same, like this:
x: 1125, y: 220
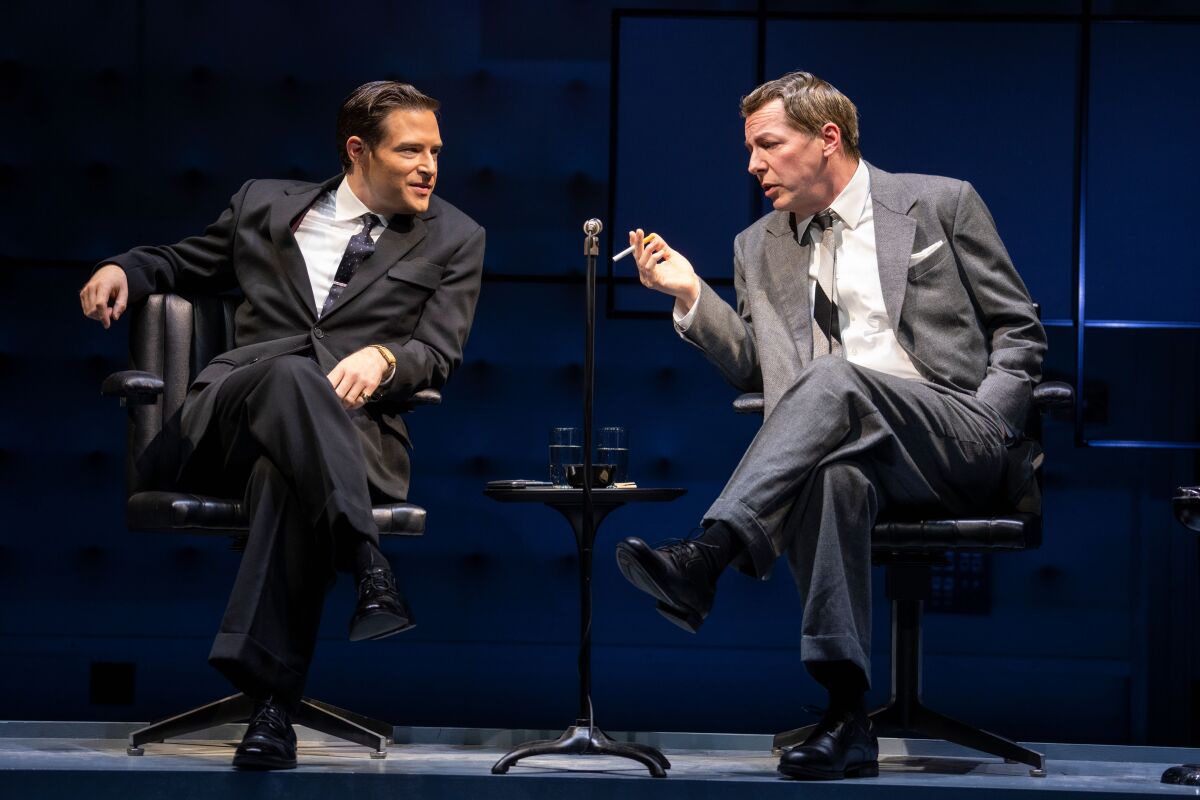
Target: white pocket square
x: 921, y: 255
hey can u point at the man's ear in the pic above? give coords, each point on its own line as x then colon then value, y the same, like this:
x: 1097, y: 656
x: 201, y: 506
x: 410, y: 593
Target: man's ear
x: 831, y: 138
x: 356, y: 148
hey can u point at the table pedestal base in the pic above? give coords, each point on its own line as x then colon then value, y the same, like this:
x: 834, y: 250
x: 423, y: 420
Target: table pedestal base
x: 582, y: 739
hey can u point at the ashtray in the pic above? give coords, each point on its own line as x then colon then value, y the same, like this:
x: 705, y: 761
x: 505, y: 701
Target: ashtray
x: 602, y: 475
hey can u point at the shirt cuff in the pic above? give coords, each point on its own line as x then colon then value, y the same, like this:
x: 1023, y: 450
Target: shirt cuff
x: 684, y: 321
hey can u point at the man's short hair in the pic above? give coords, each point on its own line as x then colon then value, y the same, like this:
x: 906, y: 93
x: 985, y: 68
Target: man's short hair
x: 364, y: 110
x: 809, y: 103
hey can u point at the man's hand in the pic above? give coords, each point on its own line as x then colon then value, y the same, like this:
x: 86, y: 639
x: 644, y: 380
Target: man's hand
x: 108, y: 285
x: 665, y: 270
x: 357, y: 376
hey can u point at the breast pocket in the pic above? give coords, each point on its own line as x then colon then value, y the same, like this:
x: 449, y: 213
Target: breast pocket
x: 926, y: 262
x: 417, y: 272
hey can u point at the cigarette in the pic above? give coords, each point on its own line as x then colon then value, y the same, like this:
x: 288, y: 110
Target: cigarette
x: 629, y: 249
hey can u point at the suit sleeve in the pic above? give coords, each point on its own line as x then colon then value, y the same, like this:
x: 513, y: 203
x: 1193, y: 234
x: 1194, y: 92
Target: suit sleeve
x: 435, y: 349
x: 198, y: 262
x: 727, y: 336
x: 1016, y: 338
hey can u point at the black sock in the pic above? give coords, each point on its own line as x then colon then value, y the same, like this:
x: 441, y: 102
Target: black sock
x: 722, y: 546
x: 845, y: 682
x: 367, y: 555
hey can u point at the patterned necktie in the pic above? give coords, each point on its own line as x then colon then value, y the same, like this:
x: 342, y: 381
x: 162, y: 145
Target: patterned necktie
x: 358, y: 250
x: 827, y: 334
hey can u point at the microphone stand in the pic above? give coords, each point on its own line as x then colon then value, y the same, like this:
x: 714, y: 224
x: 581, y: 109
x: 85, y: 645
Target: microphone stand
x: 584, y: 738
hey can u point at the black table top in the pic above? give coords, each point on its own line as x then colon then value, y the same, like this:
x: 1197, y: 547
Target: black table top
x: 566, y: 496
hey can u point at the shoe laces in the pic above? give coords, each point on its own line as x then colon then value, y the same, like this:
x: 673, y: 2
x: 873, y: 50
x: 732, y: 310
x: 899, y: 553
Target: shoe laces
x: 693, y: 538
x: 272, y: 716
x: 376, y: 580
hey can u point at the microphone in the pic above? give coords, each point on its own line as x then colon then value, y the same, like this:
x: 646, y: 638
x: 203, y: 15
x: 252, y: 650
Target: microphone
x: 593, y: 227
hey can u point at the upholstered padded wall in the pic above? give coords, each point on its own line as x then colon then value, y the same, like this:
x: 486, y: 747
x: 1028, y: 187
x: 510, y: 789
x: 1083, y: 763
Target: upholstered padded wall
x: 132, y: 122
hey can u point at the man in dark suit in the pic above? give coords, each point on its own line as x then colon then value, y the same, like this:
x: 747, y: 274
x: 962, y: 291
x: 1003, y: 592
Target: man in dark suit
x: 358, y: 292
x: 896, y: 349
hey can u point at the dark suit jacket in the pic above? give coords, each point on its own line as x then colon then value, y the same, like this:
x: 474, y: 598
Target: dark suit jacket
x: 416, y: 295
x: 955, y: 302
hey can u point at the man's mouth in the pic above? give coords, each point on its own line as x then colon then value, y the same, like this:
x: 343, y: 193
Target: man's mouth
x: 422, y: 188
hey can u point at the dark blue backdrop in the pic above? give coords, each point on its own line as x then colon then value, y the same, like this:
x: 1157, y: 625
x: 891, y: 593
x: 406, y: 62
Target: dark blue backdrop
x: 132, y: 122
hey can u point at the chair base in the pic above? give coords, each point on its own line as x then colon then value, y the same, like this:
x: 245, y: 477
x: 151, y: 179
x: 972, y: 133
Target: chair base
x: 905, y: 714
x: 918, y: 721
x: 313, y: 714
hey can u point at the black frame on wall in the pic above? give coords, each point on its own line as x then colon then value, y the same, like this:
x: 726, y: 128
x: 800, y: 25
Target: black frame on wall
x: 1083, y: 19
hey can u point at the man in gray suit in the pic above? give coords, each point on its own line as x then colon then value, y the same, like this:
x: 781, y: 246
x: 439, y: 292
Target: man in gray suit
x: 896, y: 349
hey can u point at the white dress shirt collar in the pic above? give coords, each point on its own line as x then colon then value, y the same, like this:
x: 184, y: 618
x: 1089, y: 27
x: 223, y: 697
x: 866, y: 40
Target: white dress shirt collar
x: 347, y: 206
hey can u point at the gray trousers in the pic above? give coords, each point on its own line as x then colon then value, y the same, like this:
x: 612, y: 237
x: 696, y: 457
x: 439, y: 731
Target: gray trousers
x: 843, y: 444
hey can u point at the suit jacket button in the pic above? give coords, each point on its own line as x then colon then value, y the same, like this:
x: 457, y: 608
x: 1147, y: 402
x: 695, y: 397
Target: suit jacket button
x: 317, y: 332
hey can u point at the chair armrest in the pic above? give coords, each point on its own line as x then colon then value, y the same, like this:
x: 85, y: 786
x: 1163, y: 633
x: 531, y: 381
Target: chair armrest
x: 749, y: 403
x: 425, y: 397
x: 1053, y: 394
x: 133, y: 386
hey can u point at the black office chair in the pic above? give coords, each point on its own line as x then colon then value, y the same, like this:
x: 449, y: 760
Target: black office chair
x: 171, y: 339
x: 909, y: 548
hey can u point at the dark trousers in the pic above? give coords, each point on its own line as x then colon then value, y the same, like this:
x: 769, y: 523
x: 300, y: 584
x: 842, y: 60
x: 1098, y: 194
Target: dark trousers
x: 843, y: 444
x: 280, y: 434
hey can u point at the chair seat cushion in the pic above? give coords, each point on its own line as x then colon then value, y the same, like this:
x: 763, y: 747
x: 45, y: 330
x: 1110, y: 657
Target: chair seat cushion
x: 171, y: 511
x: 1008, y: 532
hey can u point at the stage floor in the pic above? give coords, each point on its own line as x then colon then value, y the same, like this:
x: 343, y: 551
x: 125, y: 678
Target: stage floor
x: 77, y: 759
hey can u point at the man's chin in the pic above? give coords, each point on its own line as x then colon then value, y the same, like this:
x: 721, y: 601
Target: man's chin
x: 414, y: 205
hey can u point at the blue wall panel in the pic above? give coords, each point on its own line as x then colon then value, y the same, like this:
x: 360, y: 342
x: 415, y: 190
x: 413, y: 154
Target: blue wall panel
x: 136, y: 121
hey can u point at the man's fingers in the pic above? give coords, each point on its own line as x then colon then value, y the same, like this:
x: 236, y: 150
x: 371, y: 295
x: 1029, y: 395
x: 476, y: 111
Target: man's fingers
x: 122, y: 301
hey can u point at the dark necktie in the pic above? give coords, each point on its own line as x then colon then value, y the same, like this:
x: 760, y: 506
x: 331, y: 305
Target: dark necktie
x: 358, y: 250
x: 827, y: 334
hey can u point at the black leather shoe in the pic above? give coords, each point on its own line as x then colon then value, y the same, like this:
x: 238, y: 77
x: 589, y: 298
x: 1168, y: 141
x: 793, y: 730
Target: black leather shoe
x: 676, y: 574
x: 381, y: 611
x: 843, y: 745
x: 270, y: 740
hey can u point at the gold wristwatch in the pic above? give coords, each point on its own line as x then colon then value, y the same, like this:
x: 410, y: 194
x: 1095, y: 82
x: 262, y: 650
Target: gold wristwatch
x: 391, y: 368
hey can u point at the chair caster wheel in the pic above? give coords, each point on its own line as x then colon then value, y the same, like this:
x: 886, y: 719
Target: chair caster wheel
x: 1037, y: 773
x: 379, y: 754
x: 134, y: 751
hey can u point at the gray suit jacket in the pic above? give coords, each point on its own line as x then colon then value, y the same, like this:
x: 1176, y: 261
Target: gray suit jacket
x: 963, y: 315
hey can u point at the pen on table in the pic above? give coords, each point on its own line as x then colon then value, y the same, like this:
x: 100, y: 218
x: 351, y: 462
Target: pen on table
x: 629, y: 249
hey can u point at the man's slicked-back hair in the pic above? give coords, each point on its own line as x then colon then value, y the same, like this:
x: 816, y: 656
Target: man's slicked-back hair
x: 364, y: 110
x: 809, y: 103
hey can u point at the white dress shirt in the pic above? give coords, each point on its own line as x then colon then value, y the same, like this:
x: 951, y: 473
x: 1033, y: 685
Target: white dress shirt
x: 867, y: 336
x: 326, y: 230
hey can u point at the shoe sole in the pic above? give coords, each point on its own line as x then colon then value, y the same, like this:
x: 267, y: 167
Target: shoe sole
x: 259, y: 763
x: 637, y: 574
x: 868, y: 770
x: 379, y: 626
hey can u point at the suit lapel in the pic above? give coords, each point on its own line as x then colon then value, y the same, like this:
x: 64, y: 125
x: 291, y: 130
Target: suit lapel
x: 295, y: 200
x: 895, y: 232
x: 787, y: 273
x: 397, y: 240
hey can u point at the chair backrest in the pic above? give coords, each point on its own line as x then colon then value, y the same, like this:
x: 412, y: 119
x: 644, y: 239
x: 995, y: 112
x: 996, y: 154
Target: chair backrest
x: 174, y: 337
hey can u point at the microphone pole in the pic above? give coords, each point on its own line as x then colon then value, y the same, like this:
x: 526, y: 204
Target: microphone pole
x: 591, y: 249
